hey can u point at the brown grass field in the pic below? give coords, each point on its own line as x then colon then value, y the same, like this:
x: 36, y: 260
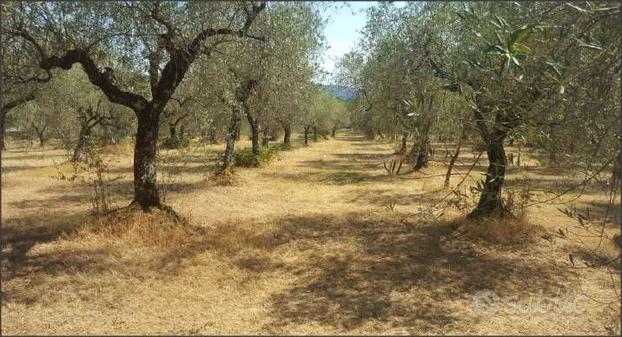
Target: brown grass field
x: 321, y: 241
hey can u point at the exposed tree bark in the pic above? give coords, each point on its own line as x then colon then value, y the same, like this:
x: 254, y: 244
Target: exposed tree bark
x: 234, y: 129
x: 422, y: 158
x: 254, y: 124
x: 314, y: 134
x: 146, y: 192
x: 242, y: 94
x: 421, y: 149
x: 491, y: 200
x: 287, y: 129
x: 333, y: 131
x: 307, y: 128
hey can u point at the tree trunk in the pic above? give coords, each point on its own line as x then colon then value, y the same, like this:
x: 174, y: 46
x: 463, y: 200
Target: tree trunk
x: 254, y: 130
x: 172, y: 130
x: 334, y: 131
x: 265, y: 139
x: 234, y: 130
x: 314, y: 134
x: 491, y: 200
x: 255, y: 138
x: 145, y: 189
x: 616, y: 174
x: 287, y: 136
x: 2, y: 121
x: 41, y: 137
x: 307, y: 135
x: 424, y: 146
x: 370, y: 134
x: 454, y: 156
x: 422, y: 155
x: 81, y: 147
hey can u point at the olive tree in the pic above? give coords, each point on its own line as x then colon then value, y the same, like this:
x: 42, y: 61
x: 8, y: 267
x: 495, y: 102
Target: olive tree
x: 160, y: 39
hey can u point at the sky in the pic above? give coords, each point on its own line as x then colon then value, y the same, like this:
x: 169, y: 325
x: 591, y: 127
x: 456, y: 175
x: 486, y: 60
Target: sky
x: 342, y: 31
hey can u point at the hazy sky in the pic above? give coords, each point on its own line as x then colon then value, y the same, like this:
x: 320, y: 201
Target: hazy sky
x: 343, y: 30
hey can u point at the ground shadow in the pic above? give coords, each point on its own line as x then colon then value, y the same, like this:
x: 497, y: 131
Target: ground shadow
x: 394, y: 272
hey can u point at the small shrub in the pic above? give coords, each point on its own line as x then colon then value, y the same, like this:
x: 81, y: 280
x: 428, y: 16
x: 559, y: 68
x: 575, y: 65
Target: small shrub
x: 246, y: 158
x: 176, y: 142
x: 286, y: 147
x: 94, y: 173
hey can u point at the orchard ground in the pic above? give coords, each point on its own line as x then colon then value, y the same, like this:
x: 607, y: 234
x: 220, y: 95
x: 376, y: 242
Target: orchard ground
x: 321, y: 241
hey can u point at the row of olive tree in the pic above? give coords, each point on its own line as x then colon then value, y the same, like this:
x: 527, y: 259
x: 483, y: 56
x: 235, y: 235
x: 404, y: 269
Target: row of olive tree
x: 205, y: 65
x: 543, y: 71
x: 160, y: 39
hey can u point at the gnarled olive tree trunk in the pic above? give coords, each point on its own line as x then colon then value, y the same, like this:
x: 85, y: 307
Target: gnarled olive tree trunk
x: 234, y: 129
x: 146, y: 192
x: 421, y: 149
x: 80, y: 148
x: 491, y: 200
x: 287, y: 136
x: 421, y: 159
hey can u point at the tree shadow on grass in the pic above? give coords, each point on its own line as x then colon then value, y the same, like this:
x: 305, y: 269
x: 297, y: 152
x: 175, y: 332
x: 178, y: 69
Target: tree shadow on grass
x: 342, y: 165
x: 19, y: 235
x: 396, y: 274
x: 120, y: 193
x: 385, y: 197
x: 328, y: 178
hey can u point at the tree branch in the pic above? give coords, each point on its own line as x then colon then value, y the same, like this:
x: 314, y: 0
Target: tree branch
x: 12, y: 104
x: 102, y: 79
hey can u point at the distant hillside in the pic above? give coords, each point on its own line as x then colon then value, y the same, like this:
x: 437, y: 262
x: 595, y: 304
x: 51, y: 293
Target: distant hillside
x: 342, y: 92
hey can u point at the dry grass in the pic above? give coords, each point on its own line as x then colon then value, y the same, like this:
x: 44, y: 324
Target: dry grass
x: 319, y: 242
x: 506, y: 231
x: 156, y: 228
